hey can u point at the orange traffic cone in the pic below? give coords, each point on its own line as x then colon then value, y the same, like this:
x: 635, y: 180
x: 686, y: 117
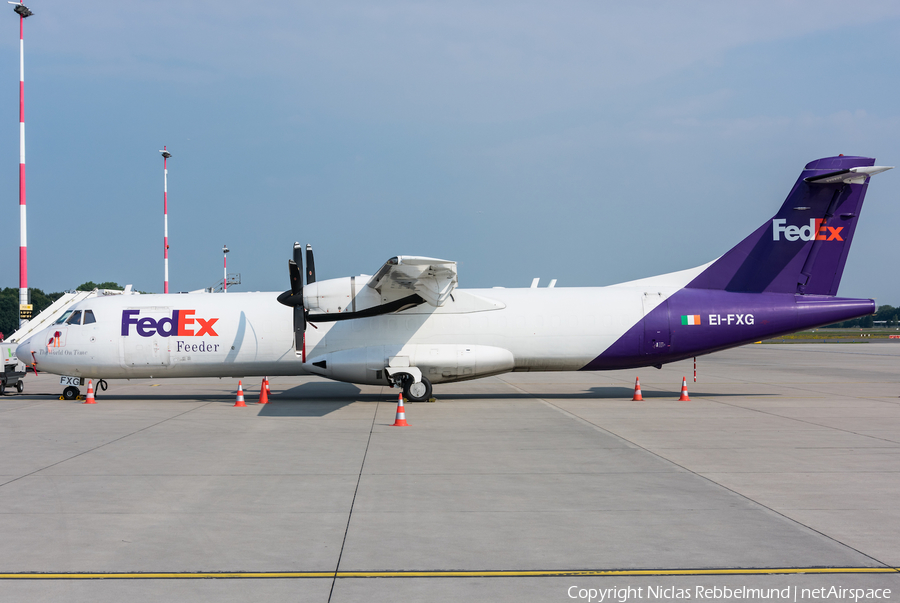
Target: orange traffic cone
x: 264, y: 392
x: 637, y: 390
x: 240, y: 395
x: 90, y: 396
x: 684, y: 395
x: 401, y: 414
x: 268, y: 391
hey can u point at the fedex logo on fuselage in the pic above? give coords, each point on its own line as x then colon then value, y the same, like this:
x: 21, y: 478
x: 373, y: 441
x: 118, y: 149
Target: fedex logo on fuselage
x: 815, y: 229
x: 182, y: 323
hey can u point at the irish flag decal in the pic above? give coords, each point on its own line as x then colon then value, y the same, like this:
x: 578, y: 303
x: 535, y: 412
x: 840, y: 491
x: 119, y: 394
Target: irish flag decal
x: 690, y: 319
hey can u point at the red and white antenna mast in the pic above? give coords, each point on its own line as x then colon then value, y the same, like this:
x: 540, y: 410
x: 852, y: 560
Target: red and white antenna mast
x: 225, y: 251
x: 23, y: 12
x: 166, y: 154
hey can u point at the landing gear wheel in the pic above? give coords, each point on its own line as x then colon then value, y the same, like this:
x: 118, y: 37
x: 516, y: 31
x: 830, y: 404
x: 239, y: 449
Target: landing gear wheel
x: 417, y: 392
x: 20, y: 386
x: 71, y: 392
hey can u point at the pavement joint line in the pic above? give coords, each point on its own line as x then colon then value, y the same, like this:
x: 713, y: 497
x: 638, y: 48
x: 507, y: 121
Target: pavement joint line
x: 353, y: 502
x: 798, y: 350
x: 127, y: 435
x: 737, y: 571
x: 807, y: 422
x: 704, y: 477
x: 824, y: 394
x: 790, y: 386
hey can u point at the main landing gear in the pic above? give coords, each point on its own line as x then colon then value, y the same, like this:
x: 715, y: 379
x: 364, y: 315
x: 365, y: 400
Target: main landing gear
x: 417, y: 391
x: 416, y: 387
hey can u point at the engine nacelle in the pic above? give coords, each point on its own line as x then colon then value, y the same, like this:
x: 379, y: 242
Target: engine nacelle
x: 440, y: 363
x: 336, y: 295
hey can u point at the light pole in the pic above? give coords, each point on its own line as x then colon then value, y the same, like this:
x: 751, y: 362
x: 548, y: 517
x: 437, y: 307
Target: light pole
x: 225, y: 251
x: 23, y: 12
x: 166, y: 154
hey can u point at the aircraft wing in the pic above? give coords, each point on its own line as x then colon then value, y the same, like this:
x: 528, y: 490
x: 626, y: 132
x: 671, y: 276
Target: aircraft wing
x: 432, y: 279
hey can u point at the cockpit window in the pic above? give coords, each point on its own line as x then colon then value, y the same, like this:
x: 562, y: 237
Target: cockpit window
x: 63, y: 318
x: 75, y: 319
x: 89, y: 317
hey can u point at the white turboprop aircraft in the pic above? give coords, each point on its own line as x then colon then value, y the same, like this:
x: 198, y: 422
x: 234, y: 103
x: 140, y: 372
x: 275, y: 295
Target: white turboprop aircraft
x: 409, y: 325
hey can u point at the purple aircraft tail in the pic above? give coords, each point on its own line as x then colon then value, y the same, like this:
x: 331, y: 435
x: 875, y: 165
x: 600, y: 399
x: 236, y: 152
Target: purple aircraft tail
x: 804, y: 247
x: 782, y: 278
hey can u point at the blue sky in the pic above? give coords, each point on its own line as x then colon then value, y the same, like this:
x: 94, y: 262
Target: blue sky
x: 589, y: 142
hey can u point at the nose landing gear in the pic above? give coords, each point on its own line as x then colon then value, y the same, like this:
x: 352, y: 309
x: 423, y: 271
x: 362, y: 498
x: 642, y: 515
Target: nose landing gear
x: 71, y: 393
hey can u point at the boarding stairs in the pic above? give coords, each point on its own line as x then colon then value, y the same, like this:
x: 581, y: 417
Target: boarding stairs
x: 52, y: 313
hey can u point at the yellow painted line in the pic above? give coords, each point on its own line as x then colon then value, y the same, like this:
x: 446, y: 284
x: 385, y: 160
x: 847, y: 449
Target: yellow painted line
x: 650, y: 572
x: 163, y: 575
x: 449, y: 574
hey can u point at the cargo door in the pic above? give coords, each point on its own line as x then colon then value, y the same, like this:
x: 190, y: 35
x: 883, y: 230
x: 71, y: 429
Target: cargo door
x: 657, y: 338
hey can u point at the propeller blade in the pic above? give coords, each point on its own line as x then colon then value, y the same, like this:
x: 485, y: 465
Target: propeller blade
x: 298, y: 255
x: 296, y: 278
x: 294, y: 298
x: 310, y: 266
x: 299, y: 328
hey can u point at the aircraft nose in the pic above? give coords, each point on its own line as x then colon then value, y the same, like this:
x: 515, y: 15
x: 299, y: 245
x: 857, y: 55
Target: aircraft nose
x: 24, y: 349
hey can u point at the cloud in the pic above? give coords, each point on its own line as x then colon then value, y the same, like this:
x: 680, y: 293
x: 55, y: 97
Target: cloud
x: 465, y: 60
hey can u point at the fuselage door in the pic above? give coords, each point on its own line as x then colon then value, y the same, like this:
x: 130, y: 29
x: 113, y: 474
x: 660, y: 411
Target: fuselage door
x: 657, y: 337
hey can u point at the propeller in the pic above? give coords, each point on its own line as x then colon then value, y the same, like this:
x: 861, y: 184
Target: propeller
x: 293, y: 298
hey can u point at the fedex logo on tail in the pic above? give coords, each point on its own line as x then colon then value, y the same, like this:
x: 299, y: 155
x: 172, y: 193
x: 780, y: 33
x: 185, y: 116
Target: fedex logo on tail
x: 815, y: 229
x: 182, y: 323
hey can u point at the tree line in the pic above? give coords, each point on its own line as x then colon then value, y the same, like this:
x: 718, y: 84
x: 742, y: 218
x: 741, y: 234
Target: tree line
x: 886, y: 313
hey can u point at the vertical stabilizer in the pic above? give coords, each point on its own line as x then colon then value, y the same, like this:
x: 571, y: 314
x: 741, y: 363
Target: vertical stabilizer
x: 804, y: 247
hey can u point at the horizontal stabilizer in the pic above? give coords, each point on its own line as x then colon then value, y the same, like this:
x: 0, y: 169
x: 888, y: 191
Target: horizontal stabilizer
x: 855, y: 175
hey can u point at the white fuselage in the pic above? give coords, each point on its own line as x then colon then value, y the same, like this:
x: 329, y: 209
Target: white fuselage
x: 478, y: 332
